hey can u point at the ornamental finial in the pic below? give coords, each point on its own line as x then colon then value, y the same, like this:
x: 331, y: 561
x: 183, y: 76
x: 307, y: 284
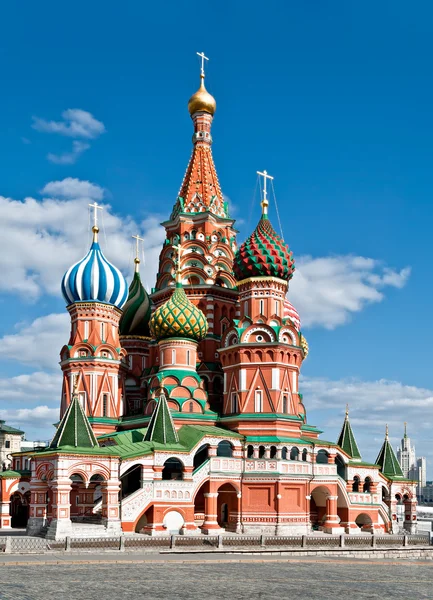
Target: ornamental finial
x: 265, y: 201
x: 203, y: 58
x: 405, y: 429
x: 347, y: 411
x: 137, y: 239
x: 386, y: 432
x: 95, y: 227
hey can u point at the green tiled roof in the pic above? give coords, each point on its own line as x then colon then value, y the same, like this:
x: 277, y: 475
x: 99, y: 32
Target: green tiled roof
x: 387, y: 460
x: 8, y: 429
x: 161, y: 428
x: 9, y: 474
x: 74, y: 429
x: 346, y: 440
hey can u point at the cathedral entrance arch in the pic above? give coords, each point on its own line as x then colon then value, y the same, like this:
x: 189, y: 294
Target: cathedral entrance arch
x: 227, y: 506
x: 318, y: 503
x: 364, y: 522
x: 20, y: 509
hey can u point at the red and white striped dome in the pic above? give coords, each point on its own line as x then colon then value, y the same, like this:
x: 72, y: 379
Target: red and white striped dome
x: 291, y: 313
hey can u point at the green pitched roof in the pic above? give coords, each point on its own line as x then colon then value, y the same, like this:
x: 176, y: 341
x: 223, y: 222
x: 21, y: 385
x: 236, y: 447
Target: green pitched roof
x: 74, y: 429
x: 346, y: 439
x: 161, y: 428
x: 387, y: 459
x: 8, y: 429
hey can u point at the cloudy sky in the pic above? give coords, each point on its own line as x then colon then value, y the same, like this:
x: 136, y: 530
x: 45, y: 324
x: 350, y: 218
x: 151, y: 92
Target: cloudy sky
x: 334, y: 100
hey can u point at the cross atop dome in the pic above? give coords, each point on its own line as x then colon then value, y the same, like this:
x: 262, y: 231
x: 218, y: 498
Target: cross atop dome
x: 95, y: 227
x: 137, y: 239
x: 203, y: 58
x: 265, y: 201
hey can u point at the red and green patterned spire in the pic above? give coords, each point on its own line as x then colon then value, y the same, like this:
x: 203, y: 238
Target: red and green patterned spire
x: 264, y: 253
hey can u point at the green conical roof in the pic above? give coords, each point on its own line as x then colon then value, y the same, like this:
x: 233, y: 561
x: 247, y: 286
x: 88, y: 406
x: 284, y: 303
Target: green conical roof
x: 161, y: 428
x: 387, y: 459
x: 74, y: 428
x: 346, y: 439
x: 136, y: 312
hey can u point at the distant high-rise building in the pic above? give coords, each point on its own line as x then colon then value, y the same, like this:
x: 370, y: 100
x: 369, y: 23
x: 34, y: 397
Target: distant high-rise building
x: 413, y: 468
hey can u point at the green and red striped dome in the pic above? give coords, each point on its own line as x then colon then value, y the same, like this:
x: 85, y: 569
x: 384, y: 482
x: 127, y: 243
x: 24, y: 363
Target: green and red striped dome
x: 264, y: 254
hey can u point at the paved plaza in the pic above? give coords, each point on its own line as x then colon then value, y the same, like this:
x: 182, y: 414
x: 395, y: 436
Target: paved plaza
x: 183, y: 577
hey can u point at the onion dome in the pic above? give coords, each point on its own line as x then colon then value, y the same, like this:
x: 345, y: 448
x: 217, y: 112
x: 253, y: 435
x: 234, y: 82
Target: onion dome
x: 291, y: 313
x: 94, y: 279
x: 264, y: 254
x: 136, y: 312
x: 202, y: 100
x: 304, y: 345
x: 178, y: 317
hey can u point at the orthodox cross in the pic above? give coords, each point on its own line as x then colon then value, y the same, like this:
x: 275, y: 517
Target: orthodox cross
x: 265, y: 202
x: 95, y: 207
x: 203, y: 58
x: 137, y: 239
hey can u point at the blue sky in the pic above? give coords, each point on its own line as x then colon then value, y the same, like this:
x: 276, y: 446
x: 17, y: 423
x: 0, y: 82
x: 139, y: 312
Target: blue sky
x: 332, y: 98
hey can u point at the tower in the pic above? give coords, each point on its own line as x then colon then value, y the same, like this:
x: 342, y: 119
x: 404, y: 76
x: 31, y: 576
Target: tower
x: 406, y: 454
x: 178, y: 326
x: 201, y: 222
x: 95, y: 291
x: 262, y: 354
x: 135, y: 339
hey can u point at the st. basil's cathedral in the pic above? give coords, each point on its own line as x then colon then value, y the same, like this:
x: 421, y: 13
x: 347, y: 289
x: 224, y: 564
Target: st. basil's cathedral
x: 180, y: 410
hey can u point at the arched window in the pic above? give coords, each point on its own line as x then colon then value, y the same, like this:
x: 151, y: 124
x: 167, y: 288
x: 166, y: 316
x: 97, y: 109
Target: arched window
x: 250, y: 451
x: 367, y: 485
x: 341, y: 467
x: 294, y: 453
x: 235, y: 403
x: 225, y: 449
x: 322, y: 457
x: 173, y: 469
x: 273, y: 452
x: 262, y: 451
x: 355, y: 485
x: 191, y: 407
x: 284, y: 453
x: 304, y: 454
x: 285, y: 403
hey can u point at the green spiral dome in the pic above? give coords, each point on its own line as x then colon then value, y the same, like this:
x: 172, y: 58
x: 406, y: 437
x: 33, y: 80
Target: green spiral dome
x: 178, y: 317
x: 136, y: 312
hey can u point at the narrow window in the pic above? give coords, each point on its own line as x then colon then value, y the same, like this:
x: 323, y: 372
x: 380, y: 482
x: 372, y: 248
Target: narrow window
x: 104, y: 404
x: 284, y: 404
x: 262, y: 307
x: 188, y: 352
x: 103, y: 332
x: 235, y: 403
x: 191, y: 407
x: 173, y: 357
x: 7, y: 444
x: 245, y: 308
x: 86, y: 330
x: 277, y: 306
x: 258, y: 401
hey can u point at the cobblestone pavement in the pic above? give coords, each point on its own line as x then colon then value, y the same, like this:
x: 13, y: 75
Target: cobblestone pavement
x: 181, y: 578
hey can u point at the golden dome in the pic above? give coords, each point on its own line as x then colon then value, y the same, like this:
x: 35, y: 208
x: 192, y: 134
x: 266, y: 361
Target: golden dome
x: 202, y: 100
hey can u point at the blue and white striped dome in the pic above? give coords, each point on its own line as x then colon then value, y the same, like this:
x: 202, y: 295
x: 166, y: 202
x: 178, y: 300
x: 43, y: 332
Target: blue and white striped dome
x: 94, y: 279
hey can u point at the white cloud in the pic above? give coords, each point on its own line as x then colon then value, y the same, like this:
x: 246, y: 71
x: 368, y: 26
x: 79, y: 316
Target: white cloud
x: 39, y: 343
x: 71, y: 187
x: 76, y: 123
x: 69, y: 158
x: 328, y: 291
x: 31, y: 402
x: 44, y: 237
x: 373, y: 404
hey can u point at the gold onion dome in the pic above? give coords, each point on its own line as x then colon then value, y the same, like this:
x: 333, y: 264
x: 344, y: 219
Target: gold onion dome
x: 202, y: 100
x: 178, y: 317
